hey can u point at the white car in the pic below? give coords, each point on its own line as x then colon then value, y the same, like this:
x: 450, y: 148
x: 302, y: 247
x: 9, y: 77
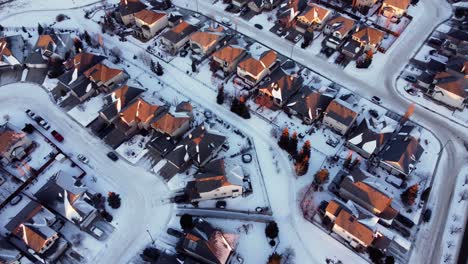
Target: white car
x: 83, y: 159
x: 226, y: 21
x: 44, y: 124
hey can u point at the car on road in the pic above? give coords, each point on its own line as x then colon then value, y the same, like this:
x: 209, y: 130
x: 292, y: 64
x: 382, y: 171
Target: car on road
x: 40, y: 121
x: 96, y: 231
x: 410, y: 90
x: 196, y: 15
x: 427, y: 215
x: 258, y: 26
x: 226, y: 21
x: 30, y: 113
x: 376, y: 100
x: 297, y: 38
x: 83, y: 159
x: 111, y: 155
x: 57, y: 136
x: 411, y: 78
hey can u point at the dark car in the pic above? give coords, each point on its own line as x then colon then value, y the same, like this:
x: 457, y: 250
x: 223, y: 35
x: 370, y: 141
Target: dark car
x: 258, y: 26
x: 411, y: 79
x: 175, y: 233
x: 112, y: 156
x: 376, y: 100
x: 427, y: 215
x: 57, y: 136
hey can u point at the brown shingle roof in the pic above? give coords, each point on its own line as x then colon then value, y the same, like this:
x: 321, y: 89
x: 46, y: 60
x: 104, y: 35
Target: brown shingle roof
x: 254, y: 66
x: 101, y: 73
x: 138, y: 111
x: 453, y: 84
x: 9, y: 138
x: 344, y: 24
x: 228, y: 54
x: 401, y: 4
x: 341, y: 113
x: 351, y: 224
x: 369, y: 35
x: 315, y: 12
x: 43, y: 41
x: 373, y: 196
x: 149, y: 16
x: 205, y: 39
x: 333, y: 207
x: 4, y: 50
x: 34, y: 240
x: 169, y: 124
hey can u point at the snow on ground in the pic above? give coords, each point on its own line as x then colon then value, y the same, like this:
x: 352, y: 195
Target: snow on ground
x: 134, y: 149
x: 86, y: 112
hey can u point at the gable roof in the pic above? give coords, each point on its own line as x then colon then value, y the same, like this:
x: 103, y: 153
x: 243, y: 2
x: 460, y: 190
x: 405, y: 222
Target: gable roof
x: 118, y: 99
x: 351, y: 224
x: 341, y: 24
x: 11, y: 50
x: 315, y: 12
x: 372, y: 134
x: 402, y: 151
x: 101, y: 73
x: 401, y: 4
x: 83, y: 61
x: 284, y: 87
x: 206, y: 39
x: 369, y: 35
x: 149, y: 16
x: 341, y: 113
x: 333, y: 207
x: 254, y: 66
x: 45, y: 42
x: 179, y: 32
x: 168, y: 123
x: 128, y: 7
x: 8, y: 138
x: 310, y: 105
x: 138, y: 111
x: 367, y: 194
x: 455, y: 84
x: 228, y: 53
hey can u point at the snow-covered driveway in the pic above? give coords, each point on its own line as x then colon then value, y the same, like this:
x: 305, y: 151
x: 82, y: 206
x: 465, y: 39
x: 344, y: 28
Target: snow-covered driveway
x: 141, y: 191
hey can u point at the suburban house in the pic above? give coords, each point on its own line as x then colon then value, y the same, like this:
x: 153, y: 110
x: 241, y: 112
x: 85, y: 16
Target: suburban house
x: 215, y: 183
x: 150, y: 23
x: 9, y: 254
x: 53, y: 46
x: 368, y: 197
x: 455, y: 43
x: 104, y: 76
x: 371, y: 135
x: 174, y: 39
x: 205, y: 42
x: 339, y: 116
x: 394, y: 8
x: 259, y: 5
x: 13, y: 145
x: 402, y: 152
x: 172, y: 124
x: 253, y: 70
x: 281, y: 87
x: 338, y: 28
x: 208, y: 244
x: 309, y: 105
x: 314, y: 16
x: 67, y: 197
x: 369, y: 38
x: 348, y: 226
x: 239, y: 3
x: 363, y: 3
x: 288, y: 11
x: 451, y: 89
x: 351, y: 48
x: 32, y: 225
x: 139, y: 115
x: 11, y: 51
x: 198, y: 147
x: 228, y: 57
x: 117, y: 100
x: 127, y: 10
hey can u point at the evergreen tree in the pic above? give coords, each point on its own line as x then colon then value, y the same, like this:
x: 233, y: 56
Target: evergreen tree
x: 114, y: 200
x: 186, y: 222
x: 271, y: 230
x: 1, y: 28
x: 87, y: 38
x: 425, y: 194
x: 305, y: 151
x: 292, y: 145
x: 302, y: 166
x: 153, y: 66
x: 220, y: 96
x: 243, y: 109
x: 284, y: 139
x: 159, y: 69
x: 40, y: 29
x: 235, y: 105
x: 409, y: 196
x: 24, y: 29
x: 347, y: 161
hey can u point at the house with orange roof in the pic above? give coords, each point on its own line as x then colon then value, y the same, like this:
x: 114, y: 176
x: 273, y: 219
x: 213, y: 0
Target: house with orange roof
x: 117, y: 100
x: 13, y: 144
x: 253, y: 70
x: 205, y: 42
x: 139, y: 113
x: 105, y: 76
x: 339, y: 116
x: 369, y: 38
x: 348, y: 226
x: 282, y: 87
x: 174, y: 39
x: 51, y: 46
x: 228, y: 57
x: 314, y: 16
x: 127, y: 9
x: 451, y: 89
x: 11, y: 51
x: 394, y: 8
x: 215, y: 183
x: 150, y: 23
x: 363, y: 3
x: 338, y: 28
x: 208, y: 244
x: 173, y: 125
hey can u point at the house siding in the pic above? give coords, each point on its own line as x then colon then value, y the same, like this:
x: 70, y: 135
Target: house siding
x: 448, y: 98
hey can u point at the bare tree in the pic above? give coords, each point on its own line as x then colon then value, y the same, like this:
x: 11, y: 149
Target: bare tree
x: 447, y: 258
x: 463, y: 196
x: 455, y: 229
x: 455, y: 217
x: 450, y: 244
x: 289, y: 256
x: 145, y: 58
x: 117, y: 53
x: 6, y: 118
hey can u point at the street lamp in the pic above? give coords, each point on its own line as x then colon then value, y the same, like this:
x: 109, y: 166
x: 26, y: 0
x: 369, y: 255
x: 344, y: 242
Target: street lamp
x: 152, y: 240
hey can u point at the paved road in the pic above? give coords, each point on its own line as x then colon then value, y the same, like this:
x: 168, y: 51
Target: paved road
x: 140, y: 191
x: 225, y: 214
x: 449, y: 134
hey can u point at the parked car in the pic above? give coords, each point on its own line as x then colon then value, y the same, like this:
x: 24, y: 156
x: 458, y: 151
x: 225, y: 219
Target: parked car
x: 221, y: 204
x: 410, y: 90
x: 226, y: 21
x: 297, y: 38
x: 427, y: 215
x: 280, y: 30
x: 98, y: 232
x: 57, y: 136
x: 376, y: 100
x: 196, y: 15
x: 30, y: 113
x: 111, y: 155
x: 258, y: 26
x: 83, y: 159
x: 244, y: 10
x: 411, y: 79
x: 175, y: 233
x: 40, y: 121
